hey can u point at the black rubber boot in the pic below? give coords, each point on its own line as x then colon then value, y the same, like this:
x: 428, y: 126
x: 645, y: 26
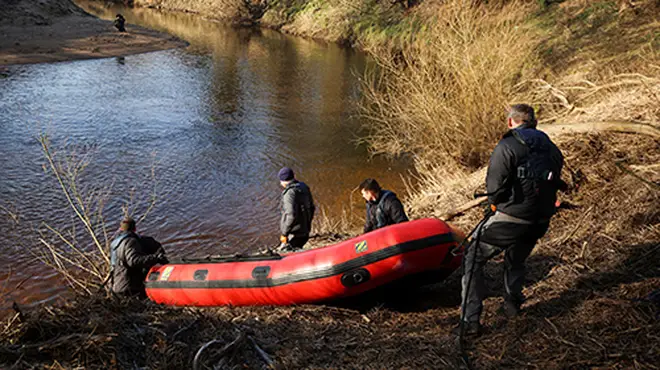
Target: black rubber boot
x: 471, y: 329
x: 510, y: 308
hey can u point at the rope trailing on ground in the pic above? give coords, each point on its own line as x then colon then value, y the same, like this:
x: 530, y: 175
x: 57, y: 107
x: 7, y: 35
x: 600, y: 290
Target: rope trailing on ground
x: 230, y: 349
x: 223, y: 352
x: 461, y: 336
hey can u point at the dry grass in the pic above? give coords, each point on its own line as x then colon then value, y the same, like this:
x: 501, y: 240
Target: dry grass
x: 443, y: 96
x: 347, y: 223
x: 329, y: 230
x: 244, y: 12
x: 598, y: 62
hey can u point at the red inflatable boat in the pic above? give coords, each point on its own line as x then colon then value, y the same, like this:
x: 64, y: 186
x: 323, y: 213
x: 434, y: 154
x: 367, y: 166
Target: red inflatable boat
x: 336, y: 271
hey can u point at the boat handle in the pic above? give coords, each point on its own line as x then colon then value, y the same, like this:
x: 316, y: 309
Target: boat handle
x: 154, y: 276
x: 355, y: 277
x: 200, y: 275
x: 261, y: 272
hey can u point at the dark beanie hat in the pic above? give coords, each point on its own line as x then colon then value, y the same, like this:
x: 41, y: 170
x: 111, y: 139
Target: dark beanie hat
x: 286, y: 174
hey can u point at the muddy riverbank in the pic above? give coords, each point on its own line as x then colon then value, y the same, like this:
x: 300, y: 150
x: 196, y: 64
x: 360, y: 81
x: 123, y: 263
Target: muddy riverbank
x: 55, y: 31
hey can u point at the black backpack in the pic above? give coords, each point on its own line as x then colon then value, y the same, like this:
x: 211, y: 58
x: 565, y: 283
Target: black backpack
x: 538, y: 166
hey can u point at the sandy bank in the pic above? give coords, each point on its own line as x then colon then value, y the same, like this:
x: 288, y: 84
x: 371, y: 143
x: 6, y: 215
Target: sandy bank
x: 38, y: 32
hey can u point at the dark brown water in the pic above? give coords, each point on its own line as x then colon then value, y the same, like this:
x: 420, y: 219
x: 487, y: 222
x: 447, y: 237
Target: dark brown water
x: 216, y: 121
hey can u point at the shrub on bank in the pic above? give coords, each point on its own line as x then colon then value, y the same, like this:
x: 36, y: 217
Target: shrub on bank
x: 443, y: 95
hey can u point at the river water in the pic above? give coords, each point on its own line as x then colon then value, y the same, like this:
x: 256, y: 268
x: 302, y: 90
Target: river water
x: 214, y: 122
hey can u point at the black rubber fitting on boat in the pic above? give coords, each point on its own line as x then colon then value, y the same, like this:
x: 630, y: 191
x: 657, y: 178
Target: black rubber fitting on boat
x: 261, y: 272
x: 200, y: 275
x: 355, y: 277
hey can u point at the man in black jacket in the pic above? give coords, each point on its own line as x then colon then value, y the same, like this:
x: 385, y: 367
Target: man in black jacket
x: 383, y: 207
x: 131, y: 259
x: 119, y: 23
x: 297, y: 208
x: 522, y: 182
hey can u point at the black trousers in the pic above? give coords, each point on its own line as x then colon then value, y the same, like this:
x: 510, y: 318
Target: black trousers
x: 501, y: 233
x: 298, y: 241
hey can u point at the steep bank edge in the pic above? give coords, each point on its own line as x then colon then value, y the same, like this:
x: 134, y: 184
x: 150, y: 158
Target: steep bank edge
x: 343, y: 22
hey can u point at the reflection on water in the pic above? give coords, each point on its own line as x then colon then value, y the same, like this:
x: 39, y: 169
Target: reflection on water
x: 216, y: 121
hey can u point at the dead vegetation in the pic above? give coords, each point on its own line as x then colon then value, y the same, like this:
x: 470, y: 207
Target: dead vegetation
x: 591, y: 288
x: 592, y: 283
x: 442, y: 95
x: 628, y: 97
x: 63, y: 249
x: 238, y: 12
x: 78, y: 249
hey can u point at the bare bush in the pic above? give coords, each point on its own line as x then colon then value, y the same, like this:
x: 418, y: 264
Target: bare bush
x: 80, y: 250
x: 443, y: 97
x: 238, y: 11
x: 324, y: 224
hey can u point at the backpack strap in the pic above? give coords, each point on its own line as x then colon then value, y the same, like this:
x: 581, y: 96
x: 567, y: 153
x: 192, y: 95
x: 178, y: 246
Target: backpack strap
x: 380, y: 211
x: 114, y: 246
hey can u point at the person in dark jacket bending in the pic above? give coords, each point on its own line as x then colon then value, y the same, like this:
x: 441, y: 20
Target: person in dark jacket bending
x: 522, y: 182
x: 131, y: 258
x: 297, y: 208
x: 119, y: 23
x: 383, y: 207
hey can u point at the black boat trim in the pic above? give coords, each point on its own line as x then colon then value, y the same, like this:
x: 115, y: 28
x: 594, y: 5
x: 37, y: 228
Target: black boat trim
x: 226, y: 259
x: 300, y: 276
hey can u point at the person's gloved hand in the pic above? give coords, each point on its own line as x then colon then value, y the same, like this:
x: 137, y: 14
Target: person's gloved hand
x: 489, y: 210
x: 162, y: 259
x: 562, y: 185
x: 284, y: 239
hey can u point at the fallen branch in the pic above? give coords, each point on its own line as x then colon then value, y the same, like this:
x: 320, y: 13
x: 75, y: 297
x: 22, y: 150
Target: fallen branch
x: 638, y: 177
x: 461, y: 209
x: 613, y: 126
